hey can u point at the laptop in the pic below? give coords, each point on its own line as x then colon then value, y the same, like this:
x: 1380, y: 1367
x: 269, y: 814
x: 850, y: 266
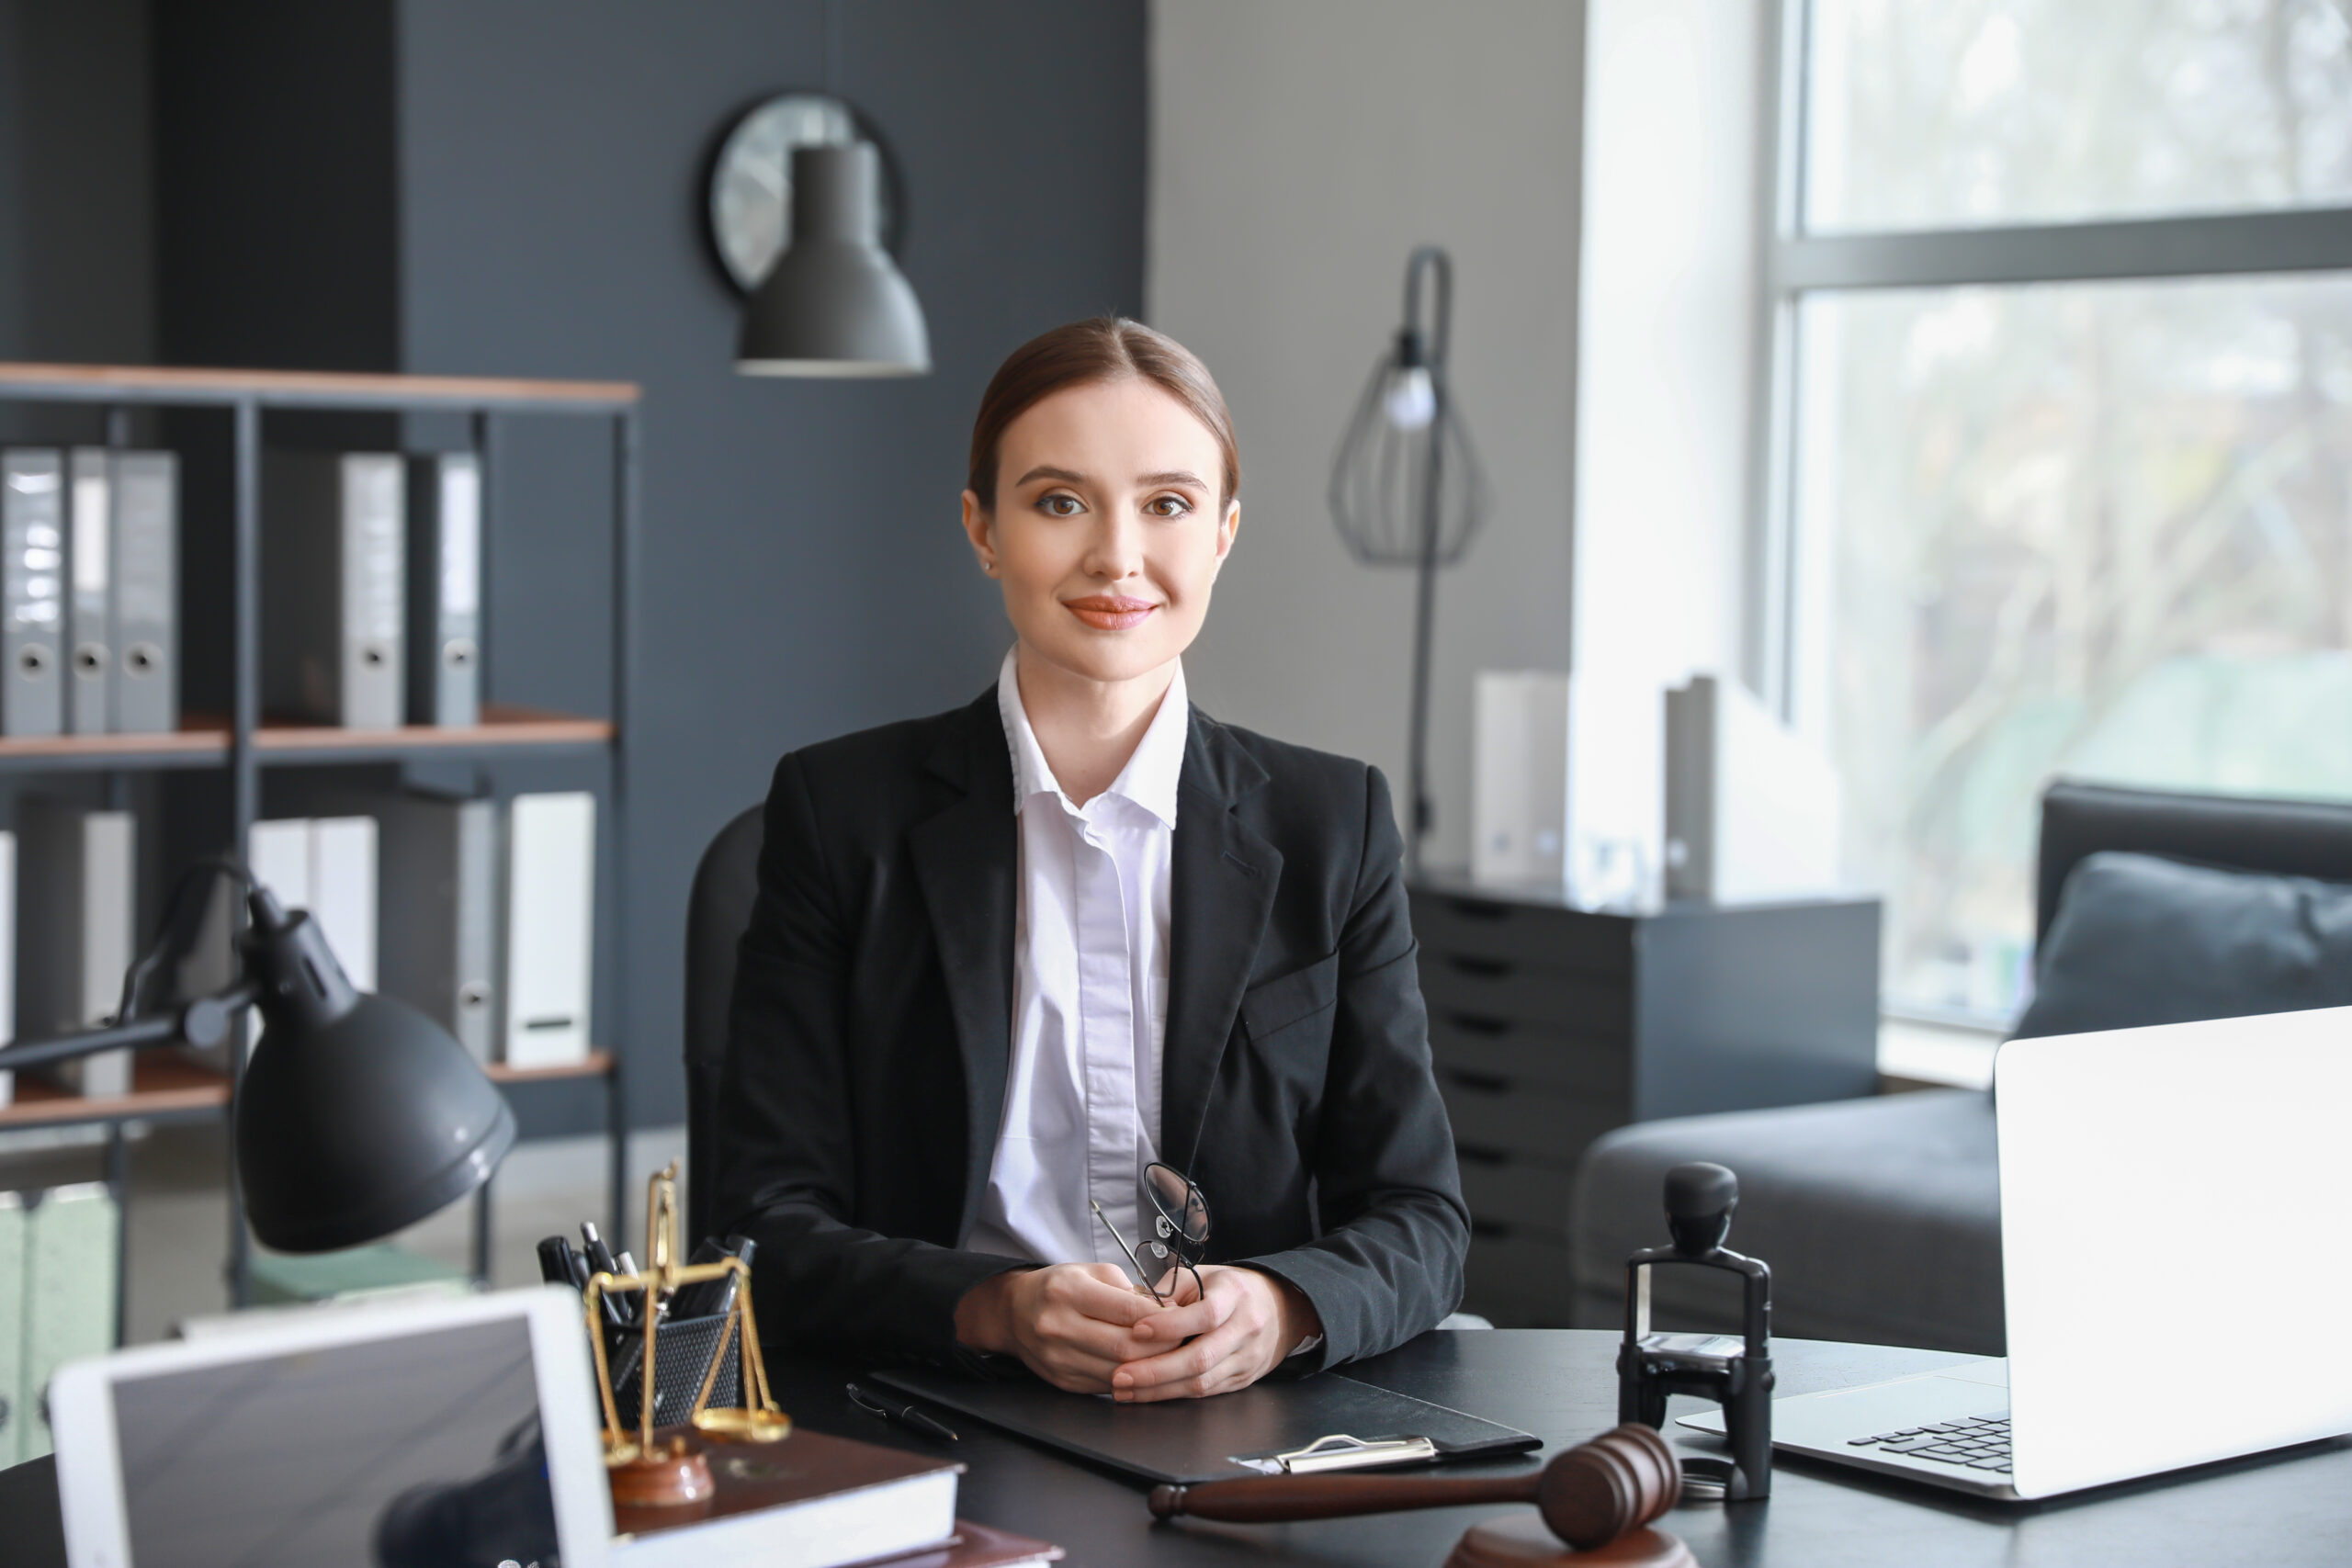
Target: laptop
x: 2171, y: 1228
x: 447, y: 1432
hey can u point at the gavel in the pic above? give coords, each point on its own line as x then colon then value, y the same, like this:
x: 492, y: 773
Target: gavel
x: 1588, y: 1496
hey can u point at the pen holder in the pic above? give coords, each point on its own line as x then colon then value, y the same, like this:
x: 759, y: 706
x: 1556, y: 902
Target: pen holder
x: 687, y: 1345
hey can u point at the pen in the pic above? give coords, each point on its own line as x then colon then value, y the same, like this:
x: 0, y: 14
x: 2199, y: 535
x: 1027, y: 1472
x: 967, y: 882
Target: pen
x: 903, y: 1414
x: 602, y: 1261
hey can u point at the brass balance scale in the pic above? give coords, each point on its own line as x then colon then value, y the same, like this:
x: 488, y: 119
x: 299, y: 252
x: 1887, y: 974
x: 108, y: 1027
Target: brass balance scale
x: 649, y: 1469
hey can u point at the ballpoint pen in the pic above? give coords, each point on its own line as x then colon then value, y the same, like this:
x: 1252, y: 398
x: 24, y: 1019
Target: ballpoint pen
x: 895, y: 1410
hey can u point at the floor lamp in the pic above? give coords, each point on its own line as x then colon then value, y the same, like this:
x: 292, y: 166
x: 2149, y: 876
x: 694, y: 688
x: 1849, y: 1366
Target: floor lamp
x: 1406, y: 488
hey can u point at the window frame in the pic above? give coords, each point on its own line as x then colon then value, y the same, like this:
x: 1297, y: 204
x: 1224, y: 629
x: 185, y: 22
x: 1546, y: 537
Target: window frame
x: 1796, y: 264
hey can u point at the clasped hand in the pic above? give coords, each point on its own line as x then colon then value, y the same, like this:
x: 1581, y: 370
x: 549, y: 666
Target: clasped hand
x: 1085, y: 1327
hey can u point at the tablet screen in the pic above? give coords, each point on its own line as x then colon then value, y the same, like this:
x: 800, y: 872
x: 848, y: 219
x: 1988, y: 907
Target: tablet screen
x: 423, y: 1449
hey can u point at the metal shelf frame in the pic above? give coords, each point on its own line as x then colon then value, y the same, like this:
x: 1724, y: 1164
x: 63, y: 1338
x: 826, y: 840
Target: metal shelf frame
x: 244, y: 746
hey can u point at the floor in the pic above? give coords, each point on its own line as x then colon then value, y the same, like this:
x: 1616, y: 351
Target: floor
x: 179, y: 1209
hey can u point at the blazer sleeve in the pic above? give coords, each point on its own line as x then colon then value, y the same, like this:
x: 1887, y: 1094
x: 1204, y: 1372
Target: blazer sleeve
x: 1395, y: 1230
x: 785, y: 1158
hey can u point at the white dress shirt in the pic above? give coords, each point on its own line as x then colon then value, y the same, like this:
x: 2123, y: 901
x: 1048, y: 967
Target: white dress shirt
x: 1089, y: 1009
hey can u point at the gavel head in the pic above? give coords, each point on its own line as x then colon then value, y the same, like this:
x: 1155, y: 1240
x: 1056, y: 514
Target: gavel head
x: 1598, y: 1491
x: 1700, y: 1199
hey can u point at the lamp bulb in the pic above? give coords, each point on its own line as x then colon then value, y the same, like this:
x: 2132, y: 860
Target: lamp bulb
x: 1411, y: 398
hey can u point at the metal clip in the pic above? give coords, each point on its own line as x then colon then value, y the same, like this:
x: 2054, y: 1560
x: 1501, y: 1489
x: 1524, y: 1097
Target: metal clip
x: 1340, y: 1452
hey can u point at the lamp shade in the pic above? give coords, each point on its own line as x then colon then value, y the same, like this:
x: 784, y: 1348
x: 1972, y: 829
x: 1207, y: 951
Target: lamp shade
x: 357, y: 1115
x: 834, y: 304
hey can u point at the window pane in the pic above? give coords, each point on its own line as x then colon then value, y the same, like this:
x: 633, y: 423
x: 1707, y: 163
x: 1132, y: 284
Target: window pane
x: 2100, y: 530
x: 1952, y: 113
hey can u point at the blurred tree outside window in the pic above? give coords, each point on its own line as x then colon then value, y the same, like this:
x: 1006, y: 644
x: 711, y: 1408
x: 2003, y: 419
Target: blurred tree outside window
x: 2099, y: 526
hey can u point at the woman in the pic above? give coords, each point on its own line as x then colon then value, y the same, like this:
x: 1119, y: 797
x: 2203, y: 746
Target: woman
x: 1005, y: 957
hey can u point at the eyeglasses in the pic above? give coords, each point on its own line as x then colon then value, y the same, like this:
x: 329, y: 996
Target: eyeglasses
x: 1180, y: 1229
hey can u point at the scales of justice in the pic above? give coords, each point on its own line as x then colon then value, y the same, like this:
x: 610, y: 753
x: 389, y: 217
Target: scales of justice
x: 656, y: 1468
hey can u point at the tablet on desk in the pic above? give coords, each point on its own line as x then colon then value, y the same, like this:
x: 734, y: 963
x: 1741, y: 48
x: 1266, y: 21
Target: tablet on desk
x: 448, y: 1433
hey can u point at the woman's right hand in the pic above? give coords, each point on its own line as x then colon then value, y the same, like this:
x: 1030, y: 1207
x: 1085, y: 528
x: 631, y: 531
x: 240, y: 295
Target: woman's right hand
x: 1072, y: 1324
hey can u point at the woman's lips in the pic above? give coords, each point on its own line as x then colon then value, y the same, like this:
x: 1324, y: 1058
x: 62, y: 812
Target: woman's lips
x: 1110, y: 612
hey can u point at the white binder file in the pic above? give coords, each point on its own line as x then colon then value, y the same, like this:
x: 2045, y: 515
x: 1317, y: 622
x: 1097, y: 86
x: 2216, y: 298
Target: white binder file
x: 438, y: 944
x: 76, y: 870
x: 68, y: 1277
x: 343, y: 892
x: 445, y: 589
x: 550, y: 927
x: 334, y: 530
x: 1519, y: 819
x: 89, y: 665
x: 7, y: 1007
x: 146, y: 592
x: 17, y: 1414
x: 1751, y: 809
x: 32, y: 592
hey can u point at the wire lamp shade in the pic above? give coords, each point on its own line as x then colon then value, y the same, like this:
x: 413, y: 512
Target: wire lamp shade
x: 1406, y: 488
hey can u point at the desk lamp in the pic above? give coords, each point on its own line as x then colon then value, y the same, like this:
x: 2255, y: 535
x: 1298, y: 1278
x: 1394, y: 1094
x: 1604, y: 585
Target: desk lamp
x: 357, y: 1115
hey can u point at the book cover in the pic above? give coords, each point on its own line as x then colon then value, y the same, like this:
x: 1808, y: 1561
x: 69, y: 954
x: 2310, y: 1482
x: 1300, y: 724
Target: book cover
x: 812, y: 1501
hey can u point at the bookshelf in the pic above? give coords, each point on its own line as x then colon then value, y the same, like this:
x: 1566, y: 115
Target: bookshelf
x: 242, y: 744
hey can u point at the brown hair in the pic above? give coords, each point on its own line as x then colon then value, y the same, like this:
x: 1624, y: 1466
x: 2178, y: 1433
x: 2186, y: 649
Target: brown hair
x: 1101, y: 348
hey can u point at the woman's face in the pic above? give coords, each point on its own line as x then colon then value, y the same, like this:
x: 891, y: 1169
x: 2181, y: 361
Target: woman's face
x: 1106, y: 530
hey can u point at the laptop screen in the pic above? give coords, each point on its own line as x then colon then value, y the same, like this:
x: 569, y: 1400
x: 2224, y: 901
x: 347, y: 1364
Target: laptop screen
x: 420, y: 1449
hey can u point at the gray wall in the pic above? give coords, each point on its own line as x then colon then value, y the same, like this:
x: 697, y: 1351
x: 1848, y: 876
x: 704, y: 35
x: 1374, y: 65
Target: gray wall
x: 1299, y: 151
x: 803, y: 573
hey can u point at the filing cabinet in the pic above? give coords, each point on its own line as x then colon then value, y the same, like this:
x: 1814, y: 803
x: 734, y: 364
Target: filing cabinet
x: 1551, y: 1024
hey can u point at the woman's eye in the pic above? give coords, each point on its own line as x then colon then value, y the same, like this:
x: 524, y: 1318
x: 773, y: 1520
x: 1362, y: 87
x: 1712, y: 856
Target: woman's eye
x: 1059, y: 505
x: 1167, y: 507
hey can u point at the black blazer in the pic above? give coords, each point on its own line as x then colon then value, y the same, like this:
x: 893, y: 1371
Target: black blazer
x: 870, y: 1034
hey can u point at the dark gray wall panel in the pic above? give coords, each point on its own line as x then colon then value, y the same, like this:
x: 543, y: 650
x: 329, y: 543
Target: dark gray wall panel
x: 803, y: 572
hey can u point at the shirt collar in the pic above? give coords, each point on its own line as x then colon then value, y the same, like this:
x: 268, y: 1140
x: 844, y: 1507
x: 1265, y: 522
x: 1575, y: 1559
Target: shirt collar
x: 1149, y: 780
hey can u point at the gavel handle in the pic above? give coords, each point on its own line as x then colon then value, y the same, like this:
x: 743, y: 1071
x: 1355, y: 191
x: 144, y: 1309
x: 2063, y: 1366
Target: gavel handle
x: 1274, y: 1498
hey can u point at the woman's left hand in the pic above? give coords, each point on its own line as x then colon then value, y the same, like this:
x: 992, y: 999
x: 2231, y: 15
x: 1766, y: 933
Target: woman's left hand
x: 1239, y: 1325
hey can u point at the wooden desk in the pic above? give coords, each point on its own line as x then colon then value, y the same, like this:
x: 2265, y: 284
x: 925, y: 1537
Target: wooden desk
x: 2293, y: 1507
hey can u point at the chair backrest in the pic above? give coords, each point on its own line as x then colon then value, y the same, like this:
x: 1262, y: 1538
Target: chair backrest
x: 2288, y: 838
x: 717, y: 911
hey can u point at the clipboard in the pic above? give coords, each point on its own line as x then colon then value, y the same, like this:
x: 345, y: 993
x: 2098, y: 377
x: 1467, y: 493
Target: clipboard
x: 1325, y: 1422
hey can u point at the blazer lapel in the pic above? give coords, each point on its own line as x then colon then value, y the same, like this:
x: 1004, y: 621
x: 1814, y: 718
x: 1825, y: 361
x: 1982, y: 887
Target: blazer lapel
x: 965, y: 859
x: 1222, y: 893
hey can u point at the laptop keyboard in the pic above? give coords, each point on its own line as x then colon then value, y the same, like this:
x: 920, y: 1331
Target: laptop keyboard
x: 1980, y: 1442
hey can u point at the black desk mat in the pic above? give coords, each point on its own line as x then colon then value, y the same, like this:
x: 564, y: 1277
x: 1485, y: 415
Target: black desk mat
x: 1183, y: 1442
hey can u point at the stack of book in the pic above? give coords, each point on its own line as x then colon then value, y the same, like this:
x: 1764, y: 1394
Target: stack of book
x: 57, y: 1300
x: 815, y: 1501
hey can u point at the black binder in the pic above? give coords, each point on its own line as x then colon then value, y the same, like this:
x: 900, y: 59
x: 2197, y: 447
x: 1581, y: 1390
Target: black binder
x: 1184, y: 1441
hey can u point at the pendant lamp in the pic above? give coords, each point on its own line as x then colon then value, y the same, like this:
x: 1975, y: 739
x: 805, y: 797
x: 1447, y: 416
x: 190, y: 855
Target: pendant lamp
x: 1406, y: 488
x: 834, y: 304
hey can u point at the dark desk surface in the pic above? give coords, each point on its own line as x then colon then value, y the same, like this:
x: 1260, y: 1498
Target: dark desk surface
x: 2291, y: 1507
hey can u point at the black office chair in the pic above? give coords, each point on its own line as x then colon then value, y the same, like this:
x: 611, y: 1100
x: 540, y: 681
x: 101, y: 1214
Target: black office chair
x: 717, y: 911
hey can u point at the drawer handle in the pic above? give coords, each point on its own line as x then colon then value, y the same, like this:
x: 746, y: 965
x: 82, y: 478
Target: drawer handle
x: 1471, y: 1154
x: 1485, y: 1083
x: 1479, y: 909
x: 1478, y: 1023
x: 1490, y: 968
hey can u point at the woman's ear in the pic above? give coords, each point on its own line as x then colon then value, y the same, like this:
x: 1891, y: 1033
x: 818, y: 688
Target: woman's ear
x: 1228, y: 529
x: 976, y: 528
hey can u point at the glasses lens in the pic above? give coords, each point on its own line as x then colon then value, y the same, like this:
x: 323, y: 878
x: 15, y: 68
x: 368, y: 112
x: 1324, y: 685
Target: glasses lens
x: 1178, y: 1202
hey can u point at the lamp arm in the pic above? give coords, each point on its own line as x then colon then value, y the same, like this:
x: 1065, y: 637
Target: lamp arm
x: 204, y: 1022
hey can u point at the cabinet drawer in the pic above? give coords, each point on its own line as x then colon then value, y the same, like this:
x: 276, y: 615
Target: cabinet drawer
x: 1504, y: 990
x: 1517, y: 1194
x: 1519, y: 1282
x: 1524, y: 933
x: 1496, y: 1118
x: 1577, y: 1065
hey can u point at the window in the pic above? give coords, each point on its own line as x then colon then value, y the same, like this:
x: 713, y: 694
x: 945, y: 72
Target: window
x: 2063, y: 476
